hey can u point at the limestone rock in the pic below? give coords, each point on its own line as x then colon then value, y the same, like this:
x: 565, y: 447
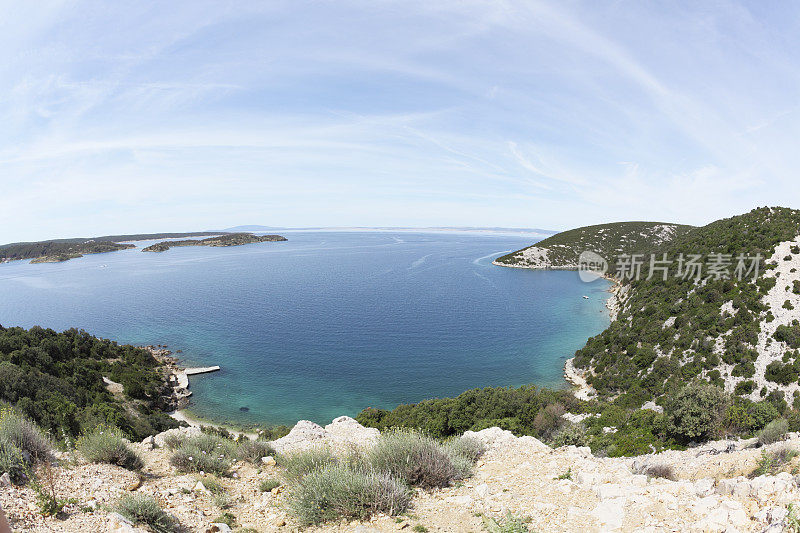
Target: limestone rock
x: 348, y: 429
x: 119, y: 524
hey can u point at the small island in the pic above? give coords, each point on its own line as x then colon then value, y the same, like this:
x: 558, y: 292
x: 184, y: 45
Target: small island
x: 60, y: 250
x: 231, y: 239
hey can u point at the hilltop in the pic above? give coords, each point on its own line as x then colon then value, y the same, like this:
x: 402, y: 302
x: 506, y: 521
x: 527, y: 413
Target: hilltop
x: 562, y: 250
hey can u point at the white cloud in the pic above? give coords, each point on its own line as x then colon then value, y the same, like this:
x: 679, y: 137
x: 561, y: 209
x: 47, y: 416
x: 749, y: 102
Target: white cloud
x: 493, y: 113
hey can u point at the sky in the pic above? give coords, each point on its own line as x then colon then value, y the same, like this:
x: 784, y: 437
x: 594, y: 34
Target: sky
x: 128, y: 117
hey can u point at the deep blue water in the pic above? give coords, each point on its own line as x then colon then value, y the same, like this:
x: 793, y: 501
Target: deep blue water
x: 327, y: 323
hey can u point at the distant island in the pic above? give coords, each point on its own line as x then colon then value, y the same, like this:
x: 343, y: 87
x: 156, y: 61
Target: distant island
x: 60, y: 250
x: 231, y: 239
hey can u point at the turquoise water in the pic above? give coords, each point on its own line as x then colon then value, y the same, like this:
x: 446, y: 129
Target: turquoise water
x: 327, y: 323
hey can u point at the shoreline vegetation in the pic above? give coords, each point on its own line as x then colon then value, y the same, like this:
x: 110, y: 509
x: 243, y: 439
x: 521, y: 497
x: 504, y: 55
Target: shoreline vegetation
x: 60, y: 250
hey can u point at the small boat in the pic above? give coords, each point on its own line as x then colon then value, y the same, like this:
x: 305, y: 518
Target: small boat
x: 585, y: 297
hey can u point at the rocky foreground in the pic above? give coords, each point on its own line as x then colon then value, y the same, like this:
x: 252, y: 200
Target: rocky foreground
x: 564, y: 489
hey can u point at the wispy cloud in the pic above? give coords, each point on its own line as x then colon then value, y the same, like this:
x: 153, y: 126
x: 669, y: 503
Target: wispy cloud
x: 152, y: 116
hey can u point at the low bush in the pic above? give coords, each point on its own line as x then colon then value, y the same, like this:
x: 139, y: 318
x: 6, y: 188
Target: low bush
x: 773, y: 432
x: 273, y: 433
x: 774, y: 462
x: 143, y: 509
x: 267, y: 485
x: 299, y: 464
x: 414, y: 458
x: 173, y: 441
x: 467, y: 447
x: 507, y: 524
x: 253, y: 450
x: 661, y: 470
x: 107, y: 445
x: 226, y: 518
x: 12, y: 461
x: 342, y: 490
x: 207, y: 453
x: 25, y: 434
x: 570, y: 435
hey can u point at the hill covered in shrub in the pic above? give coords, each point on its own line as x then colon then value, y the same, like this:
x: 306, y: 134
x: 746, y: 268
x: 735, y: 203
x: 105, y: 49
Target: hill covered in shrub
x: 562, y: 250
x: 738, y: 334
x: 56, y: 379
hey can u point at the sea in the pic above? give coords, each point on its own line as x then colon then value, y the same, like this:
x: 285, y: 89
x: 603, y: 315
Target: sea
x: 327, y: 323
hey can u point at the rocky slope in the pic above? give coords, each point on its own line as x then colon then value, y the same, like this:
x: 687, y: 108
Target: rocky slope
x: 564, y: 489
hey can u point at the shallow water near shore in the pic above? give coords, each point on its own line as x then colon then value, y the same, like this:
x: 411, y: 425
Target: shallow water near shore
x: 327, y: 323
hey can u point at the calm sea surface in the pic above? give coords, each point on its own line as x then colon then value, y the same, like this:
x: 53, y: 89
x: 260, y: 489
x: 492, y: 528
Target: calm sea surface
x: 327, y: 323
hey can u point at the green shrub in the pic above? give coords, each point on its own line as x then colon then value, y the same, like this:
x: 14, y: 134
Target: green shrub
x: 696, y: 412
x: 508, y: 524
x: 253, y: 450
x: 25, y: 434
x: 780, y: 373
x: 762, y: 413
x: 107, y: 445
x: 570, y: 435
x: 143, y: 509
x: 267, y: 485
x: 273, y: 433
x: 773, y: 463
x: 467, y: 447
x: 207, y: 453
x: 225, y: 518
x: 548, y: 420
x: 12, y: 461
x: 299, y: 464
x: 341, y: 490
x: 212, y: 484
x: 173, y: 441
x: 413, y: 458
x: 773, y: 432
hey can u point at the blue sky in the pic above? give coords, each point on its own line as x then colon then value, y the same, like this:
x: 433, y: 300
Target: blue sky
x: 156, y: 116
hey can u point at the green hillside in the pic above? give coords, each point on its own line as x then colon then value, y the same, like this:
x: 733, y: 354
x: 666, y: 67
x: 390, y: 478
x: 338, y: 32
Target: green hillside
x: 57, y: 380
x: 609, y: 240
x: 720, y: 330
